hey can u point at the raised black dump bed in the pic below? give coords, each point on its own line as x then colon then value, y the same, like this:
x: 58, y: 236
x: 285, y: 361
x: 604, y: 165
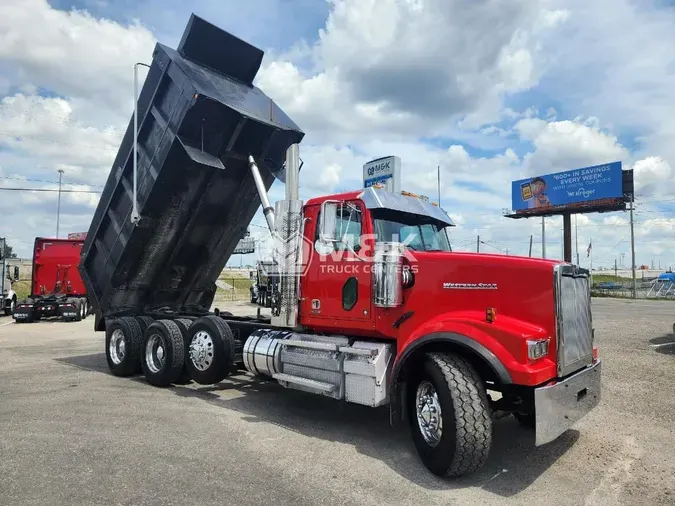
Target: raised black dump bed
x: 199, y: 118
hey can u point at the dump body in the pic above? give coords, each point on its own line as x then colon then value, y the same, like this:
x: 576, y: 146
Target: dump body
x: 199, y: 118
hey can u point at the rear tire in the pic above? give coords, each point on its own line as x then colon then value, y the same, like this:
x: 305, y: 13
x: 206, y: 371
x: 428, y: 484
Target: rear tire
x: 85, y: 309
x: 184, y: 325
x: 210, y: 356
x: 163, y: 353
x: 144, y: 322
x: 78, y: 310
x: 123, y: 343
x: 448, y: 394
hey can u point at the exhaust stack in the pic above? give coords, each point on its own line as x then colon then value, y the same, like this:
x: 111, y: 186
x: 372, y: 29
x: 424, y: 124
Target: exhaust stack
x: 293, y: 172
x: 268, y: 211
x: 289, y: 240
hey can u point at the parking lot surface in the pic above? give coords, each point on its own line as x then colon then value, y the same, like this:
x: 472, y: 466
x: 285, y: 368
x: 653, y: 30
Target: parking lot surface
x: 71, y: 433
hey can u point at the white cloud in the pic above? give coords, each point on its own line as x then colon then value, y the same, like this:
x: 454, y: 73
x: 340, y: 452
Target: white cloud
x: 564, y: 145
x: 72, y: 54
x: 381, y: 76
x: 419, y: 65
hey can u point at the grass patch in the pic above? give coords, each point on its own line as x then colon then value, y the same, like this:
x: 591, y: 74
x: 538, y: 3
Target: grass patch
x: 22, y: 289
x: 236, y: 288
x: 604, y: 278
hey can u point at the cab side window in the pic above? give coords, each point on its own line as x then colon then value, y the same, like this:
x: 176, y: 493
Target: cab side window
x: 348, y: 227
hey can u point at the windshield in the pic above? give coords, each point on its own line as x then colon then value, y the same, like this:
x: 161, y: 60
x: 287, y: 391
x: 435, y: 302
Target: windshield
x: 416, y: 232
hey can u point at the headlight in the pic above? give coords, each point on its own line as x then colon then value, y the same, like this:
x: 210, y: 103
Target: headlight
x: 537, y: 349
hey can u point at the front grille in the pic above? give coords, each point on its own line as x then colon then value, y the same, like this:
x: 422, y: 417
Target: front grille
x: 573, y: 313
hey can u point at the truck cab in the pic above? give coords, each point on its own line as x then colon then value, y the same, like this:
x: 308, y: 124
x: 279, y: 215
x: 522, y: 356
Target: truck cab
x: 379, y: 265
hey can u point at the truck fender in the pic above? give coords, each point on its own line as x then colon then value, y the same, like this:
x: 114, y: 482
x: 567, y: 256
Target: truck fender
x: 456, y: 340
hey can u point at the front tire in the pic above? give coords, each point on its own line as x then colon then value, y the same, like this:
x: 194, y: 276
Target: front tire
x: 163, y: 353
x: 210, y: 357
x: 449, y: 416
x: 123, y: 343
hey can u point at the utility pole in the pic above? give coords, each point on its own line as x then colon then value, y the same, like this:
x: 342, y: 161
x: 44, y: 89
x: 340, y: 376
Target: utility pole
x: 616, y: 274
x: 531, y: 237
x: 632, y: 244
x: 58, y: 205
x: 543, y: 238
x: 576, y: 236
x: 439, y: 185
x: 477, y: 244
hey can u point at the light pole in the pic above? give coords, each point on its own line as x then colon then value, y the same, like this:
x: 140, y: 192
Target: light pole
x: 134, y: 213
x: 58, y: 205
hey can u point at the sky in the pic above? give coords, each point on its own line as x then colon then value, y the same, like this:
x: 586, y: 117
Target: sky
x: 490, y: 91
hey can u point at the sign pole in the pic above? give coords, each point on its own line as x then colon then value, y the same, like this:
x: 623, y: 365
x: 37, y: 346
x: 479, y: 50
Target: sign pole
x: 632, y: 243
x: 591, y: 255
x: 543, y: 238
x: 567, y: 237
x: 576, y: 236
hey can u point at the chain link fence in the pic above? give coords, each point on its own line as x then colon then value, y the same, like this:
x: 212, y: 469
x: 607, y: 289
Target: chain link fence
x: 233, y: 289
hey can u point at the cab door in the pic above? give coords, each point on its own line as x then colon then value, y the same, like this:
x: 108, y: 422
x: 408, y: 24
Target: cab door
x: 338, y: 283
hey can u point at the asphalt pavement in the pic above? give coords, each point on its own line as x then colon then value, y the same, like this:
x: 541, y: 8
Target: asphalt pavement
x: 71, y: 433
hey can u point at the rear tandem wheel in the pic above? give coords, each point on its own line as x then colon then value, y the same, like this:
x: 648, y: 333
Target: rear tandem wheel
x: 123, y: 342
x: 163, y: 353
x: 210, y: 357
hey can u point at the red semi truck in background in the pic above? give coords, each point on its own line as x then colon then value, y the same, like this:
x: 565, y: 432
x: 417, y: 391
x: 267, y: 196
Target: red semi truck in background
x: 372, y: 305
x: 57, y: 289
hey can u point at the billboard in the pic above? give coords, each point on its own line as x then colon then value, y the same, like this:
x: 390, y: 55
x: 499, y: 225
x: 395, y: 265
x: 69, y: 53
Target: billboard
x: 385, y: 171
x: 77, y: 236
x: 583, y: 187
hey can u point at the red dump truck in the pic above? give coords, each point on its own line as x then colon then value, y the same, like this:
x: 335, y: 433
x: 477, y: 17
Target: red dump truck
x: 57, y: 289
x: 372, y: 306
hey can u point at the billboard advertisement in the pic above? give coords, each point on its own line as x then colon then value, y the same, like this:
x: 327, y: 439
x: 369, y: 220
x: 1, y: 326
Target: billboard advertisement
x: 77, y: 236
x: 385, y: 171
x: 572, y: 188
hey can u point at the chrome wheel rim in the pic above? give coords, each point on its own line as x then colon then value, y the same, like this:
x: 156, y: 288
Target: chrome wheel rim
x: 429, y: 417
x: 117, y: 347
x: 201, y: 350
x: 155, y: 353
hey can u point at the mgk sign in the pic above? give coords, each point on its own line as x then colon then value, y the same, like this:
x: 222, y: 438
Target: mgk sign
x: 385, y: 171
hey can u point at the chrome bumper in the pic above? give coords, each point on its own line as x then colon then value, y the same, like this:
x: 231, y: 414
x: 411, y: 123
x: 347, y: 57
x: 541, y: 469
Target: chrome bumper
x: 558, y: 407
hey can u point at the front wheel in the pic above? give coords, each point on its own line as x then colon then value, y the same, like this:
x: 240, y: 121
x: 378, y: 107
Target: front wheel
x: 449, y: 416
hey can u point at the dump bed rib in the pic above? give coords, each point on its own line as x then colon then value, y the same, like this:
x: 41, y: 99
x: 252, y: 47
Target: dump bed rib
x: 199, y: 118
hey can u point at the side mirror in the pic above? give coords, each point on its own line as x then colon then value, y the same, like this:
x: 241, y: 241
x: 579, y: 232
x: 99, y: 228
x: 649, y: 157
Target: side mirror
x: 16, y: 273
x: 328, y: 220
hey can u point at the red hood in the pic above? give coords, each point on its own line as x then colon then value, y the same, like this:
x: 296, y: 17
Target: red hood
x: 520, y: 287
